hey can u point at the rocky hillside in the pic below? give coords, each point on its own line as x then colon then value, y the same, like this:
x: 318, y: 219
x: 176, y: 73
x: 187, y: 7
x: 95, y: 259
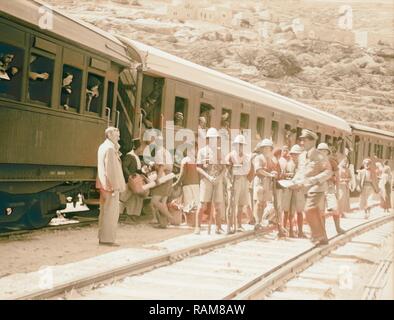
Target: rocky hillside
x: 354, y: 83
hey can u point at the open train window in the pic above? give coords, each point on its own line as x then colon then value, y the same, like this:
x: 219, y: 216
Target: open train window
x: 260, y: 126
x: 180, y: 111
x: 318, y: 138
x: 41, y: 72
x: 71, y: 88
x: 11, y: 71
x: 225, y: 120
x: 244, y: 121
x: 206, y: 113
x: 110, y: 98
x: 94, y: 93
x: 369, y: 149
x: 274, y: 131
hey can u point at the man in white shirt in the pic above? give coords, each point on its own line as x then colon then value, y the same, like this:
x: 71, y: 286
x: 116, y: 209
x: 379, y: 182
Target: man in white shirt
x: 110, y: 181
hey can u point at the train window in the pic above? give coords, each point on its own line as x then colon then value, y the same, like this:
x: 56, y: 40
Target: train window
x: 110, y: 98
x: 369, y: 149
x: 206, y: 113
x: 260, y: 126
x: 318, y: 138
x: 376, y: 150
x: 288, y: 134
x: 274, y: 131
x: 244, y: 121
x: 388, y: 152
x: 11, y: 65
x: 40, y: 79
x: 328, y: 139
x: 299, y: 132
x: 94, y: 93
x: 225, y: 120
x: 71, y: 88
x: 180, y: 111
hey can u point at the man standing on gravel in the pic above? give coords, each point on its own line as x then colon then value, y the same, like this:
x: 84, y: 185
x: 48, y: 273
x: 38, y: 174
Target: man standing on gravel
x: 110, y: 181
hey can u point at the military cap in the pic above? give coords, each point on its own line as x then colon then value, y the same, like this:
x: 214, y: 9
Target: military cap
x: 308, y: 134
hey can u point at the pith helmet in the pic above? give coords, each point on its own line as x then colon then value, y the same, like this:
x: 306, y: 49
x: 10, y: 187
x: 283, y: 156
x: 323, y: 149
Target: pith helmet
x: 212, y: 133
x: 323, y: 146
x: 305, y: 133
x: 296, y: 149
x: 239, y: 139
x: 266, y: 143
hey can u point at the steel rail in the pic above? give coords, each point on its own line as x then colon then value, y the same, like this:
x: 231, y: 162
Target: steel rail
x: 139, y: 267
x: 276, y: 277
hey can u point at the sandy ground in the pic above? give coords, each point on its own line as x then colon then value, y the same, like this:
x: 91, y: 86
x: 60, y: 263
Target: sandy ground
x: 29, y: 252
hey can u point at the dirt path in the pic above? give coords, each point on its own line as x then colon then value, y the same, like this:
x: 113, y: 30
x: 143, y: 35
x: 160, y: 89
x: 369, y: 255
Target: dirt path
x: 29, y: 252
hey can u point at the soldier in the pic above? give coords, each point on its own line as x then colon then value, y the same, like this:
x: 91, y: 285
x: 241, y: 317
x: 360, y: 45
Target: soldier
x: 211, y: 183
x: 110, y: 182
x: 367, y: 184
x: 313, y: 173
x: 267, y: 170
x: 293, y: 200
x: 331, y: 193
x: 238, y: 168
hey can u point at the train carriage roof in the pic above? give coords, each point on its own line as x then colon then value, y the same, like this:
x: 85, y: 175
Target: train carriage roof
x: 359, y: 127
x: 165, y: 64
x: 68, y: 28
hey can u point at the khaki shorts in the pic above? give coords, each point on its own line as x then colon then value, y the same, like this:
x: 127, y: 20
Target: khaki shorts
x: 207, y: 189
x: 292, y: 200
x: 263, y: 191
x: 241, y: 191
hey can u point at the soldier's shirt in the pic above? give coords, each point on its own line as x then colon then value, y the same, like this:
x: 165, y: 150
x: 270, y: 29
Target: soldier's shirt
x: 267, y: 164
x: 209, y: 160
x: 314, y: 170
x: 242, y: 165
x: 290, y: 167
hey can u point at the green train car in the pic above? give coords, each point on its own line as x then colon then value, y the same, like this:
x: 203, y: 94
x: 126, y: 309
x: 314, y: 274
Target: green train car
x: 60, y: 88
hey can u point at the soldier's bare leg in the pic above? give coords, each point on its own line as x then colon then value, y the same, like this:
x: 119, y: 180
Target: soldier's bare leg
x: 291, y: 218
x: 258, y: 213
x: 201, y: 209
x: 238, y: 221
x: 218, y: 217
x: 160, y: 204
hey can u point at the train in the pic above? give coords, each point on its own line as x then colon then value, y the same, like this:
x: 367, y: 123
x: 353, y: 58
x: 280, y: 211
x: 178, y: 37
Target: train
x: 61, y: 86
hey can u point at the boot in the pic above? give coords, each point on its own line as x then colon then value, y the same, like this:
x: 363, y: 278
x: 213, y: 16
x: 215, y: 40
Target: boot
x: 282, y: 233
x: 337, y: 224
x: 315, y: 221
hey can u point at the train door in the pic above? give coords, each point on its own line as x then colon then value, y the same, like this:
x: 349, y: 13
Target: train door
x: 125, y: 105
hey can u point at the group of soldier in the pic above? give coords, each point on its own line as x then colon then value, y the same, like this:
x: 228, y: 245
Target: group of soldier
x: 268, y: 184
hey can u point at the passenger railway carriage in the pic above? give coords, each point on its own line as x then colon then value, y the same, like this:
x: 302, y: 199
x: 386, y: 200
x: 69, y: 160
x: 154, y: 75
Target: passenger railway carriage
x: 61, y: 87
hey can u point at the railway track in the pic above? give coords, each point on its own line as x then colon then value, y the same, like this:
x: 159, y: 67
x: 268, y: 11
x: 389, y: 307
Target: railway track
x: 244, y: 266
